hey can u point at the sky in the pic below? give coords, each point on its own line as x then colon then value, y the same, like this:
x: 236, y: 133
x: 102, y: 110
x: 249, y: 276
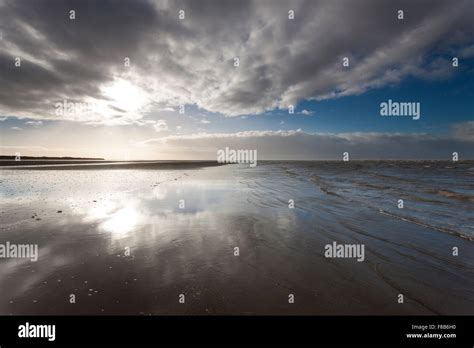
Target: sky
x: 291, y: 79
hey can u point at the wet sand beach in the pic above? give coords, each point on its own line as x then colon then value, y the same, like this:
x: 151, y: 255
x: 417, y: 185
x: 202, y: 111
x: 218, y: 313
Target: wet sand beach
x: 182, y: 222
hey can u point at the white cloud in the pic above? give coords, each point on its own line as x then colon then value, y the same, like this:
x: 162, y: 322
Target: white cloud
x: 464, y: 131
x: 307, y: 112
x: 34, y: 123
x: 160, y: 126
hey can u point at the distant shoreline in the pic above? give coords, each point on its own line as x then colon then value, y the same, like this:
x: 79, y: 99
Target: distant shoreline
x: 5, y: 157
x: 88, y: 165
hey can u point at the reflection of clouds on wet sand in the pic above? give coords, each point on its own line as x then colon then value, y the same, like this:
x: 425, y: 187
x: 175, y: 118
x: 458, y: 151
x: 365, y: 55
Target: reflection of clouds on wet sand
x: 94, y: 231
x: 159, y: 193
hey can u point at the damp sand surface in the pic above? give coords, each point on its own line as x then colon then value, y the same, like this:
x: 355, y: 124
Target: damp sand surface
x: 181, y: 224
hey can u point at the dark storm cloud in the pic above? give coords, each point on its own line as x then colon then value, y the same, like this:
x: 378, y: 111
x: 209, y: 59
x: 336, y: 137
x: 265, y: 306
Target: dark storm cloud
x: 190, y: 61
x: 65, y: 58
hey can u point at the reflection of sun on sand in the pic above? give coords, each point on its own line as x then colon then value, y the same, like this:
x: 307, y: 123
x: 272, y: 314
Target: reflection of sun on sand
x: 122, y: 221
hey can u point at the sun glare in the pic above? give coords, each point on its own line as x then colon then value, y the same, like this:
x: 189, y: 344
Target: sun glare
x: 125, y: 96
